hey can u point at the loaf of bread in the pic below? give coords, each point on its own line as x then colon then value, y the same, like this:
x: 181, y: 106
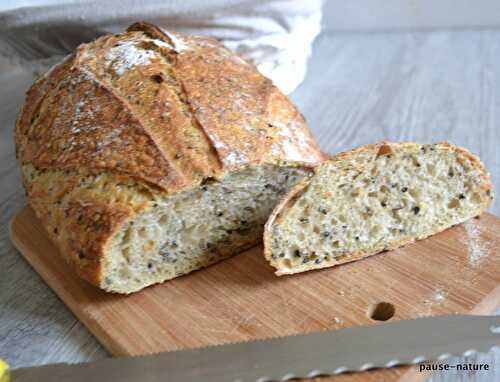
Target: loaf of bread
x: 374, y: 198
x: 149, y: 154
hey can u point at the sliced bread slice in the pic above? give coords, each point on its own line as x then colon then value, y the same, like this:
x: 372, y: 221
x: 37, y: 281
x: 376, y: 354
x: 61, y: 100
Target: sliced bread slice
x: 374, y: 198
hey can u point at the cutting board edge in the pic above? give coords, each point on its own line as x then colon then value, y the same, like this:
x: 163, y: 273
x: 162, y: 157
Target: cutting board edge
x: 99, y: 333
x: 485, y: 306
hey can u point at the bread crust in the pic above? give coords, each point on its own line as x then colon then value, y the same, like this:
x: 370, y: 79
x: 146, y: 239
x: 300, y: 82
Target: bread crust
x: 155, y: 113
x: 288, y: 200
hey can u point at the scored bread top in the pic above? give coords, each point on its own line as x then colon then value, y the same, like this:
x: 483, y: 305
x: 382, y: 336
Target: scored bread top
x: 141, y: 115
x: 163, y: 108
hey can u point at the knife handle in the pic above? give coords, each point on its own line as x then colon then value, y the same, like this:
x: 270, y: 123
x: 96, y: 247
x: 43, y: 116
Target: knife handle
x: 4, y: 371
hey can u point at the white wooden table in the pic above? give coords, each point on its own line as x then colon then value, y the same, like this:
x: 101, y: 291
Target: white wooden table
x: 360, y: 88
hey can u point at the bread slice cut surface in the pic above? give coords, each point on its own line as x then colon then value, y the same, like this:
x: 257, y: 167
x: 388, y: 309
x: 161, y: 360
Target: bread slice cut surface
x: 374, y: 198
x: 193, y: 229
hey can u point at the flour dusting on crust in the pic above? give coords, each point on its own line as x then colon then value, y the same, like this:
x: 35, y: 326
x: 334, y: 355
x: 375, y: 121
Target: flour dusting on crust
x: 235, y: 158
x: 162, y: 44
x: 180, y: 44
x: 292, y: 141
x: 126, y: 55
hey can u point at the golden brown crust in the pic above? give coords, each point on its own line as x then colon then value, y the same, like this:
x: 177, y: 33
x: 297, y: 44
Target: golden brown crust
x: 80, y: 213
x: 141, y: 122
x: 153, y: 109
x: 381, y: 148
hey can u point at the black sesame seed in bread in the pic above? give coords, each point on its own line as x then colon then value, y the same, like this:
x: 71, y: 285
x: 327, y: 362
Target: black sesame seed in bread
x: 374, y: 198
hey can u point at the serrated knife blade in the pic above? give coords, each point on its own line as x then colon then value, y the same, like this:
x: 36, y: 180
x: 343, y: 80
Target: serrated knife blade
x: 301, y: 356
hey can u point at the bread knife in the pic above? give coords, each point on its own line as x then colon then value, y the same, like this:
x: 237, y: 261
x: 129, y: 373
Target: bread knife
x: 300, y: 356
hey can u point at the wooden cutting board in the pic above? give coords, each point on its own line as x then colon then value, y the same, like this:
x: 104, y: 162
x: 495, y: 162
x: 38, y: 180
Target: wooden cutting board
x: 457, y: 271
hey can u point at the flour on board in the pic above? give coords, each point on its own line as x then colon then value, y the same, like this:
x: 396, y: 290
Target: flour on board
x: 439, y: 295
x: 477, y: 248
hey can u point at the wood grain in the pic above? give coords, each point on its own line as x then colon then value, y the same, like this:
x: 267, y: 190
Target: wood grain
x: 241, y: 299
x: 360, y: 88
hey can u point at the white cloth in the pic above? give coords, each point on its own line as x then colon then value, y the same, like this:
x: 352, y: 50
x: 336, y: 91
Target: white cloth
x: 276, y: 35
